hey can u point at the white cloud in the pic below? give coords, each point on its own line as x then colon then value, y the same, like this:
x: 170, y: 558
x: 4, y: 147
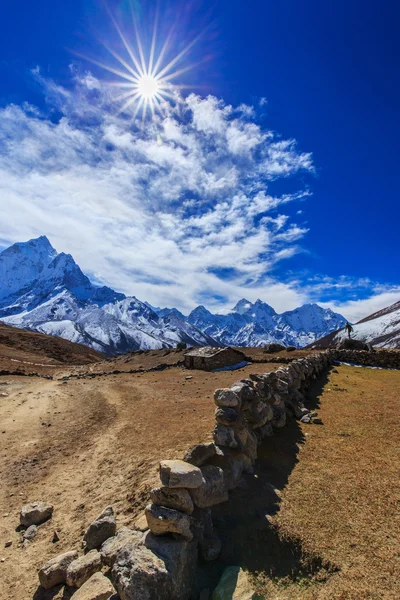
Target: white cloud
x: 162, y: 212
x: 355, y: 310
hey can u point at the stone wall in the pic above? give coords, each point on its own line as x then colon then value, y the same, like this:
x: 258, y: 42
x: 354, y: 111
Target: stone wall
x: 387, y: 359
x: 180, y: 508
x: 157, y: 558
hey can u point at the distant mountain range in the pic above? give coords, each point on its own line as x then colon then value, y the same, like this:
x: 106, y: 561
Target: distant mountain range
x: 46, y: 291
x: 380, y: 329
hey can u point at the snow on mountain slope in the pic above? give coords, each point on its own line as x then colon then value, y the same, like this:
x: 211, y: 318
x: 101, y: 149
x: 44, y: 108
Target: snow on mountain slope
x: 47, y: 292
x: 258, y: 324
x: 380, y: 329
x: 22, y: 263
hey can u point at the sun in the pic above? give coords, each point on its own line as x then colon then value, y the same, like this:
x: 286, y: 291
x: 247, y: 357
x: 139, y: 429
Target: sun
x: 147, y: 77
x: 148, y: 87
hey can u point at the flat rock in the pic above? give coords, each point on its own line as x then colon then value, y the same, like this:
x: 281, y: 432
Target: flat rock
x: 81, y: 569
x: 162, y: 520
x: 101, y: 529
x: 199, y: 454
x: 141, y: 523
x: 113, y: 545
x: 35, y: 513
x: 224, y: 436
x: 54, y: 571
x: 179, y: 474
x: 97, y: 587
x: 226, y: 397
x: 226, y: 415
x: 305, y: 419
x: 177, y: 498
x: 212, y: 490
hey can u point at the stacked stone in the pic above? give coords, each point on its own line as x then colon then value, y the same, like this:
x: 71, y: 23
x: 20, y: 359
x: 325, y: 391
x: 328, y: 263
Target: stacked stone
x: 181, y: 505
x: 385, y: 358
x: 247, y: 412
x: 160, y: 562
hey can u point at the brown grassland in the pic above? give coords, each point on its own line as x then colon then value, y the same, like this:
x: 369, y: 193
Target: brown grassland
x: 339, y: 509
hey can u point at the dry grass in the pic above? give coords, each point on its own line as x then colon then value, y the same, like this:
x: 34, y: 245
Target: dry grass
x: 340, y: 506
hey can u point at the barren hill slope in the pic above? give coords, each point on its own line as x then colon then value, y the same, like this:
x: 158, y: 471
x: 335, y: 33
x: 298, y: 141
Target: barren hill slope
x: 18, y: 345
x: 382, y: 329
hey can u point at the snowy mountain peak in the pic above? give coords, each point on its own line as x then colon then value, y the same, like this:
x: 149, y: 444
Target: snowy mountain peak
x: 22, y: 263
x: 242, y: 306
x: 200, y: 311
x: 46, y: 291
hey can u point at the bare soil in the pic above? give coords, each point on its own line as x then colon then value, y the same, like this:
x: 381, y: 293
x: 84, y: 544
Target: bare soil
x: 82, y: 444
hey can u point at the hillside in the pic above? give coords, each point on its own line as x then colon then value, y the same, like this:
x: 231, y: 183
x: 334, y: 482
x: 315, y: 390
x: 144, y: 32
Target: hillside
x: 17, y: 345
x: 380, y: 329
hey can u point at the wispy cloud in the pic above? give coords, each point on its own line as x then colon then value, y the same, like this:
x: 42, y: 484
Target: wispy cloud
x: 160, y: 211
x: 179, y: 212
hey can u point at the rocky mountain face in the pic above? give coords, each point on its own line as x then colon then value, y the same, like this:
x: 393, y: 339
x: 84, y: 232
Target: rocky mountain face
x: 256, y: 324
x: 381, y: 329
x: 46, y: 291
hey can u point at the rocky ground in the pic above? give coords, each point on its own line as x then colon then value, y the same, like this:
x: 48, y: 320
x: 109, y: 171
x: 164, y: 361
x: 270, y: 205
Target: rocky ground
x: 83, y: 443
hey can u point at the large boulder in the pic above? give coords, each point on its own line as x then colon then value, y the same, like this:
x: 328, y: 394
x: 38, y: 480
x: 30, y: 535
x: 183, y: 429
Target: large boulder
x: 212, y: 490
x: 272, y: 348
x: 246, y: 392
x: 110, y: 548
x: 155, y: 569
x: 54, y: 571
x: 177, y: 498
x: 162, y: 520
x: 35, y: 513
x: 81, y: 569
x: 101, y: 529
x: 179, y: 474
x: 350, y: 344
x: 259, y: 413
x: 97, y: 587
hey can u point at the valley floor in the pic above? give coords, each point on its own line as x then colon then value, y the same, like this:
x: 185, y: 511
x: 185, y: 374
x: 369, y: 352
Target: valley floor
x: 316, y: 521
x: 82, y: 444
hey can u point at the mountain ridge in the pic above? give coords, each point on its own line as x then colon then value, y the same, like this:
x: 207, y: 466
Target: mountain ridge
x: 381, y: 329
x: 46, y: 291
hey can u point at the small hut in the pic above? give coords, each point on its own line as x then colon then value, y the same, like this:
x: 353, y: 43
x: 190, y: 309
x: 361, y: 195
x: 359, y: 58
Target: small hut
x: 208, y: 358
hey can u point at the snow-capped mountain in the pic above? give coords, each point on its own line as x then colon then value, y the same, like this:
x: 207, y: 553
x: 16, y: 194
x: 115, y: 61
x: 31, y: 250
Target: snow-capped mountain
x: 257, y: 324
x: 381, y: 329
x: 46, y: 291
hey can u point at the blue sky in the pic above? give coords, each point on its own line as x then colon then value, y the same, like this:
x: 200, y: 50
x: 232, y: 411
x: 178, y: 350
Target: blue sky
x: 274, y: 175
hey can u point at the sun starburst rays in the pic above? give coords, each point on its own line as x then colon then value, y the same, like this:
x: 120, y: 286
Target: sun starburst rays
x: 146, y: 78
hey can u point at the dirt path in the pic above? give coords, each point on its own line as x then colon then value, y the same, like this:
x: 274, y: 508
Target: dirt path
x: 87, y: 443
